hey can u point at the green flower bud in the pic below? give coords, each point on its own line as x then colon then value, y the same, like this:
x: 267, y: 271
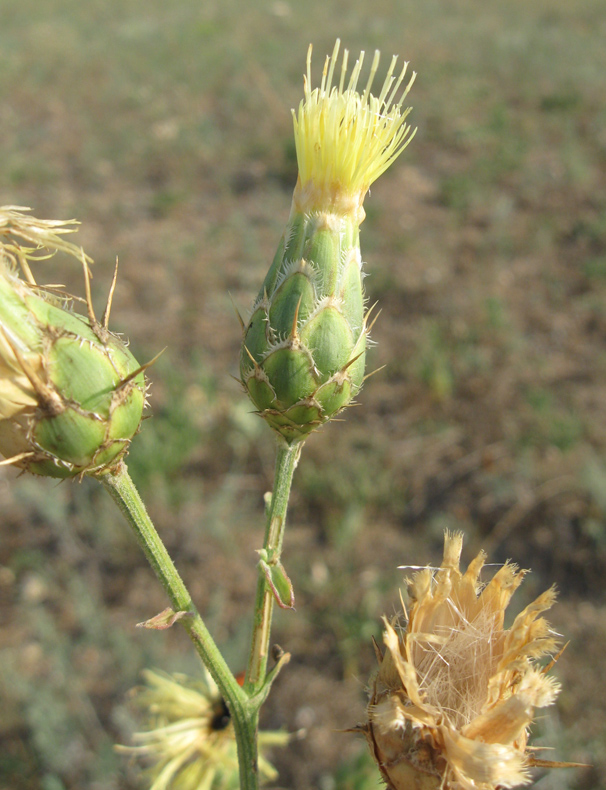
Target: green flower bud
x: 71, y: 393
x: 303, y: 352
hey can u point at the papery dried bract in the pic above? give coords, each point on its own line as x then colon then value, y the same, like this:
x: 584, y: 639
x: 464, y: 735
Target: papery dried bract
x: 456, y: 692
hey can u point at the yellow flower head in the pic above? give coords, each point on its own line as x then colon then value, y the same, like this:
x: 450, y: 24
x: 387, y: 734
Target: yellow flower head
x: 189, y: 738
x: 346, y: 139
x: 455, y: 692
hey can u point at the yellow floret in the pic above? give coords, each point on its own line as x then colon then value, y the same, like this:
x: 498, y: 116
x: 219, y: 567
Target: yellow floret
x: 344, y: 139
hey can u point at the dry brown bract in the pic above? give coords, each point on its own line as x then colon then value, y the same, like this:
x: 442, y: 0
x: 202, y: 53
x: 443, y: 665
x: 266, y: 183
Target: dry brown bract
x: 455, y: 692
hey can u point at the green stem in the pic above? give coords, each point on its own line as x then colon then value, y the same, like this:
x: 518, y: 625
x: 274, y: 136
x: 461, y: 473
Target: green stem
x: 244, y: 712
x: 286, y: 462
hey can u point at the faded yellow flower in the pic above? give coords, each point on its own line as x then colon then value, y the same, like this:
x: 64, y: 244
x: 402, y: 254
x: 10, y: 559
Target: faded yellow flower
x: 188, y: 739
x: 456, y: 692
x: 23, y: 238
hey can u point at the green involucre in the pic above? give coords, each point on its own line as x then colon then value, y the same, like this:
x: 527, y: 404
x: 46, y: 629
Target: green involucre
x: 87, y: 409
x: 304, y: 346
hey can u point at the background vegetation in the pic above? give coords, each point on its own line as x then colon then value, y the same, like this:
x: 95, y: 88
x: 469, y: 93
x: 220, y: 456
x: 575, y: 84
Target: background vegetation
x: 165, y: 128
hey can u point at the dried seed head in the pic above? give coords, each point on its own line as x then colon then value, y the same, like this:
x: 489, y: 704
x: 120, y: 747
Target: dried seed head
x: 456, y: 692
x: 189, y: 740
x: 71, y: 393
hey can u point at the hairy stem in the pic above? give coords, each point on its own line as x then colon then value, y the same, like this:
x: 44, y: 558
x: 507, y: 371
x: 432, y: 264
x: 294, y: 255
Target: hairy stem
x: 244, y: 712
x: 286, y: 462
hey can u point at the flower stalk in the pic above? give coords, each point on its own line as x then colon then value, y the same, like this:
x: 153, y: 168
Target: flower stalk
x: 287, y: 457
x: 243, y: 710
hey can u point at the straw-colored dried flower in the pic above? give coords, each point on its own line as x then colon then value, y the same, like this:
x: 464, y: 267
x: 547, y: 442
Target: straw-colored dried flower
x: 456, y: 692
x: 189, y: 738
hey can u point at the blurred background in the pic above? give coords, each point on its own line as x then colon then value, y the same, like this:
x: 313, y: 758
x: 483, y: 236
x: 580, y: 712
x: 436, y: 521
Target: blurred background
x: 165, y: 128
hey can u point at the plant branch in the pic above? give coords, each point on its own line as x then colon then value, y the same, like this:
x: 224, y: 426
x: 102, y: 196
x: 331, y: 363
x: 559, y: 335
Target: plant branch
x: 287, y: 457
x: 243, y: 711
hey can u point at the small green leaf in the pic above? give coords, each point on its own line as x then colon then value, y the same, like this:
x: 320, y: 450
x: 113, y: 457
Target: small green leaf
x: 281, y: 585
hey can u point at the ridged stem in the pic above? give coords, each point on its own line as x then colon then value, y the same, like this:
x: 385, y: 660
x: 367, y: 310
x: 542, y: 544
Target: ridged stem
x: 287, y: 457
x: 244, y: 712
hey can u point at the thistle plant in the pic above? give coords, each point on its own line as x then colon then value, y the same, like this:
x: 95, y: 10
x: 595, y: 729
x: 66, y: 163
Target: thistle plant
x: 455, y: 691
